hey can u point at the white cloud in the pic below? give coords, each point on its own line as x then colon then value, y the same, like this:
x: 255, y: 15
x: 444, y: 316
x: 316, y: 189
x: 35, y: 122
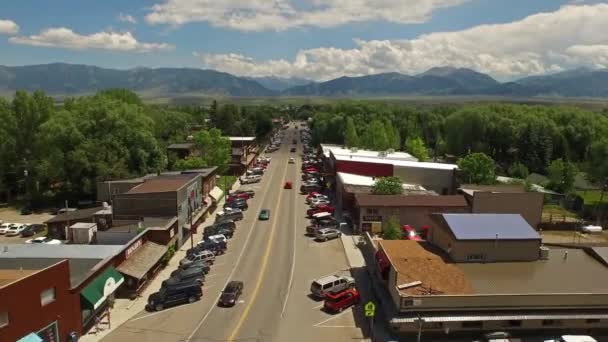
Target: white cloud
x: 261, y: 15
x: 8, y: 27
x: 65, y: 38
x: 545, y: 42
x: 126, y: 18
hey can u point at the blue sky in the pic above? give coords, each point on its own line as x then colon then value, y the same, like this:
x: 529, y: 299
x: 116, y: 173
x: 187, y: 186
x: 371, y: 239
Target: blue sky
x: 316, y: 39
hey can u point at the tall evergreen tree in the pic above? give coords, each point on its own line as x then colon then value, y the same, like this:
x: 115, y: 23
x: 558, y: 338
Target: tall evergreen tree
x: 351, y: 138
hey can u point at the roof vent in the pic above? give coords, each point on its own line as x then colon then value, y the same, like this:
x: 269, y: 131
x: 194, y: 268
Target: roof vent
x: 354, y: 149
x: 390, y: 150
x: 382, y: 154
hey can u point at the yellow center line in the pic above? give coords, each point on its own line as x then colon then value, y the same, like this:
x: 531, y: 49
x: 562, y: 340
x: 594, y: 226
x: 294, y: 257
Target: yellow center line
x: 264, y: 262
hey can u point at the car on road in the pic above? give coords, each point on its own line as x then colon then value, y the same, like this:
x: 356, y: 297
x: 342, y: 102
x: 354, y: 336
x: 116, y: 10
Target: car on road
x: 320, y: 209
x: 32, y: 230
x: 337, y: 302
x: 44, y: 240
x: 231, y: 293
x: 293, y: 149
x: 204, y: 256
x: 172, y: 295
x: 331, y: 284
x: 292, y: 160
x: 325, y: 234
x: 288, y: 185
x: 15, y: 229
x: 264, y: 215
x: 202, y: 265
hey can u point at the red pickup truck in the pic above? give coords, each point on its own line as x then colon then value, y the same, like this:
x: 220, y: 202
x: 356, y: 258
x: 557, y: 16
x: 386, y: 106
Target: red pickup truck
x: 320, y: 209
x: 336, y: 302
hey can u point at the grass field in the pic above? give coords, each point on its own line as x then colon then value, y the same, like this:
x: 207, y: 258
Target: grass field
x: 556, y: 210
x: 592, y: 196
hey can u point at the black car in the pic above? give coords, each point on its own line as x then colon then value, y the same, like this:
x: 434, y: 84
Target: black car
x: 189, y: 274
x: 213, y: 246
x: 216, y: 230
x: 237, y: 205
x: 293, y: 149
x: 197, y: 264
x: 251, y: 193
x: 26, y: 210
x: 32, y: 230
x: 231, y: 293
x: 225, y: 225
x: 172, y: 295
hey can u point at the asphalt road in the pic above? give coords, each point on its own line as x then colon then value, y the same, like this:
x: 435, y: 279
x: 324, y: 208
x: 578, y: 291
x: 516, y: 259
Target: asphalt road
x: 277, y: 264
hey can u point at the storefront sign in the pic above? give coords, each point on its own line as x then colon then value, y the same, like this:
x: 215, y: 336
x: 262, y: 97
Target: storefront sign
x: 133, y: 248
x: 376, y: 218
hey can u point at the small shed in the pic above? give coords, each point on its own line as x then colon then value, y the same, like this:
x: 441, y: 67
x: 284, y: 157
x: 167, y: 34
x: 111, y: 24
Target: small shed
x: 485, y: 237
x: 82, y: 233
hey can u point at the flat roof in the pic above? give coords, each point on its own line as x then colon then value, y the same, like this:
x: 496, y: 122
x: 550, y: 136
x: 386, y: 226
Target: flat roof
x: 498, y: 188
x: 371, y: 200
x: 489, y: 227
x: 400, y: 163
x: 8, y: 276
x: 241, y: 138
x: 181, y: 146
x: 83, y: 225
x: 80, y: 269
x: 58, y: 251
x: 75, y: 215
x: 577, y: 273
x: 163, y: 183
x: 358, y: 180
x: 396, y: 155
x: 421, y: 262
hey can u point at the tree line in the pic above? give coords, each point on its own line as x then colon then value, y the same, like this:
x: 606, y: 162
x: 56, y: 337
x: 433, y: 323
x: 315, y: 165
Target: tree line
x: 55, y: 151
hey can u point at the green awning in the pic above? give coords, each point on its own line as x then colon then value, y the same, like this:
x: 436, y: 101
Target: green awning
x: 103, y: 286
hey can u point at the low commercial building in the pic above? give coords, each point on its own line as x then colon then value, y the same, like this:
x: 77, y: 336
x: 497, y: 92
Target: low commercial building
x: 244, y: 150
x: 485, y: 237
x: 505, y: 199
x: 181, y: 150
x: 373, y: 211
x: 567, y: 291
x: 58, y: 226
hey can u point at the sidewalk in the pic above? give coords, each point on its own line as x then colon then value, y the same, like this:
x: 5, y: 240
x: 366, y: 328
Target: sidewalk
x: 125, y: 309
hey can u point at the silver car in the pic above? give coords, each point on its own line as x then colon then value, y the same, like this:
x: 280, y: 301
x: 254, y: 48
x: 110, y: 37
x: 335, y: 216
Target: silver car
x: 327, y: 233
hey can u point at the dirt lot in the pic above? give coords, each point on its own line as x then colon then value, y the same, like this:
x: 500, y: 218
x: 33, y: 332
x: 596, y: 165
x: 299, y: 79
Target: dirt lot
x: 13, y: 216
x: 573, y: 237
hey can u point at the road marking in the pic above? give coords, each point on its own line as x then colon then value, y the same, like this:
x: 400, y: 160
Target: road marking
x: 293, y: 256
x: 332, y: 318
x: 337, y: 326
x: 264, y: 265
x: 251, y: 230
x: 318, y: 306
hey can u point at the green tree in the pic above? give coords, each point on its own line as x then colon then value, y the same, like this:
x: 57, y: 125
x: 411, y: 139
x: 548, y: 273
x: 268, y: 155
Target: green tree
x: 598, y: 170
x: 215, y: 149
x: 189, y: 163
x: 392, y: 135
x: 392, y: 229
x: 123, y: 95
x: 562, y: 175
x: 518, y: 170
x: 351, y: 138
x: 477, y: 168
x: 387, y: 186
x: 374, y: 136
x: 415, y: 146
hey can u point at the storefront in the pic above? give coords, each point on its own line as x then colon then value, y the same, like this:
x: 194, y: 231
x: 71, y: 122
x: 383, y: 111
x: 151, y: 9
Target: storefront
x: 141, y: 266
x: 96, y: 298
x: 50, y: 333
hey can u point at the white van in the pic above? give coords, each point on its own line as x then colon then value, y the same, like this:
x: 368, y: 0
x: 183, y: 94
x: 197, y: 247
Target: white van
x: 331, y: 284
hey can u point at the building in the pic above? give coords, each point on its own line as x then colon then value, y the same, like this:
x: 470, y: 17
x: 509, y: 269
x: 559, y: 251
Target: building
x: 58, y: 226
x: 485, y: 237
x: 337, y: 150
x: 164, y: 196
x: 373, y: 211
x: 505, y: 199
x: 181, y: 150
x: 244, y: 150
x: 348, y: 184
x: 437, y: 177
x: 567, y: 291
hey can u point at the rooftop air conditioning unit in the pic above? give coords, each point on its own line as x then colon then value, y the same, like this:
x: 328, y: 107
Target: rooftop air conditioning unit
x: 354, y: 149
x: 382, y: 154
x: 390, y: 150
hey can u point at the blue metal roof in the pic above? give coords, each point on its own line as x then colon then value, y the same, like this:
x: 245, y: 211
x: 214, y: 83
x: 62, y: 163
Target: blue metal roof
x: 490, y: 227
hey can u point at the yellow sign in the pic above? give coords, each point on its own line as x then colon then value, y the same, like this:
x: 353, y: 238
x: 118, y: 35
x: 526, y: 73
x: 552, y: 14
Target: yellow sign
x: 370, y: 309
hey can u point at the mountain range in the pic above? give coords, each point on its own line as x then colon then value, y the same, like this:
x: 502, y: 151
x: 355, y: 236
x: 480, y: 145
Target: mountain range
x: 70, y: 79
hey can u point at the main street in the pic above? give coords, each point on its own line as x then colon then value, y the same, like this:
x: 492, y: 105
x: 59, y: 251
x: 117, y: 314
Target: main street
x: 277, y: 264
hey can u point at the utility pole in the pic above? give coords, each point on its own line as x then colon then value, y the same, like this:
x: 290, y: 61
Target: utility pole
x: 191, y: 227
x: 419, y: 329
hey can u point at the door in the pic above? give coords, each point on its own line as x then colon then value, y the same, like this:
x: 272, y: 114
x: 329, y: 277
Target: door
x: 174, y: 297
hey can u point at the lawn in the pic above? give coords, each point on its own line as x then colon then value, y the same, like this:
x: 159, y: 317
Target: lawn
x: 225, y: 182
x: 592, y: 196
x: 556, y: 210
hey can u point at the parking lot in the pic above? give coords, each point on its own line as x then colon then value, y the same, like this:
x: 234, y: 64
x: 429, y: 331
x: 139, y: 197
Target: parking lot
x: 12, y: 215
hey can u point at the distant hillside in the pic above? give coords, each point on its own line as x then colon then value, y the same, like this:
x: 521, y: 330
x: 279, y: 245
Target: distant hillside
x: 279, y: 83
x: 67, y: 79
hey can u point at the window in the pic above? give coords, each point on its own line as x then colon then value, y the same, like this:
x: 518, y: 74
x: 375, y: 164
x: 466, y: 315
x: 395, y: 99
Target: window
x: 371, y: 211
x: 47, y: 296
x: 475, y: 257
x: 472, y: 325
x: 3, y: 319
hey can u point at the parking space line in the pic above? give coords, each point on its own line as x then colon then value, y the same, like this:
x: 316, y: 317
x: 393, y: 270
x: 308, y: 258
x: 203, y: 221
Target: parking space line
x: 338, y: 326
x: 318, y: 306
x: 333, y: 317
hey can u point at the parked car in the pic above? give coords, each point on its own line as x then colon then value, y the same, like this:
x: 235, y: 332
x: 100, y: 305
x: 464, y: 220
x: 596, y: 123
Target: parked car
x: 592, y: 229
x: 307, y: 188
x: 236, y: 196
x: 4, y: 227
x: 409, y: 233
x: 32, y: 230
x: 251, y: 193
x: 169, y: 296
x: 231, y: 293
x: 216, y: 247
x: 185, y: 275
x: 204, y: 255
x: 264, y: 215
x: 218, y: 238
x: 250, y: 179
x: 336, y: 302
x: 256, y: 171
x: 237, y: 204
x: 573, y: 338
x: 218, y: 230
x: 325, y: 234
x: 202, y: 265
x: 26, y: 210
x: 320, y: 209
x: 44, y: 240
x: 229, y: 214
x: 228, y: 224
x: 319, y: 202
x: 331, y: 284
x: 15, y: 229
x: 315, y: 195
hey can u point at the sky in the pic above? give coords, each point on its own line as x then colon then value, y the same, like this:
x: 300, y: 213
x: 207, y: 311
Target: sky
x: 312, y: 39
